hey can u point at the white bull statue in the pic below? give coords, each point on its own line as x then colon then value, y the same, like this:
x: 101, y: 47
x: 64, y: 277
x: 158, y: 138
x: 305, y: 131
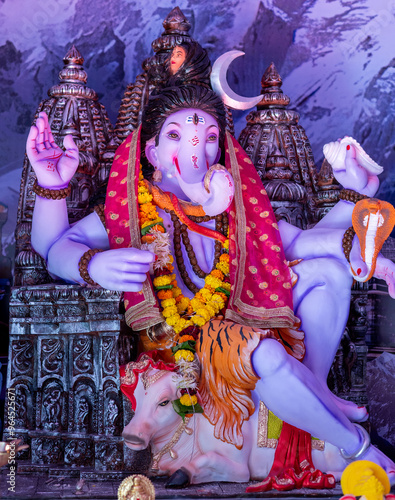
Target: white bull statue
x: 188, y: 451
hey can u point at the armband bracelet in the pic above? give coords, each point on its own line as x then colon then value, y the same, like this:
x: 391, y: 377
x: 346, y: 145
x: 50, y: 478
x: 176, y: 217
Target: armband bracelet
x: 350, y: 195
x: 84, y: 263
x: 51, y: 194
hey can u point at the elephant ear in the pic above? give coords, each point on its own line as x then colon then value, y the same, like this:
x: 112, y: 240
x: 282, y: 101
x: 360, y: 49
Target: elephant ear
x: 373, y: 221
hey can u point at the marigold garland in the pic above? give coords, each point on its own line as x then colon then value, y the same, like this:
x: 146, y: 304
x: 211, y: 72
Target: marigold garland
x: 185, y: 315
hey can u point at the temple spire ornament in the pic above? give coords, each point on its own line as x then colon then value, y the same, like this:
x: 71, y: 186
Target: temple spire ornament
x: 281, y: 152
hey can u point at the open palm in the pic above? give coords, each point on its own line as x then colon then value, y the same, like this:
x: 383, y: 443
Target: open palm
x: 54, y: 167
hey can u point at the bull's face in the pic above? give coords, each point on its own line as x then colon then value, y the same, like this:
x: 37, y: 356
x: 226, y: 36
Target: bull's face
x: 154, y: 416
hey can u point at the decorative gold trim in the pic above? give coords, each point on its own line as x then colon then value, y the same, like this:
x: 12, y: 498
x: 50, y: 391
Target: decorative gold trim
x: 263, y: 418
x: 148, y: 380
x: 144, y: 314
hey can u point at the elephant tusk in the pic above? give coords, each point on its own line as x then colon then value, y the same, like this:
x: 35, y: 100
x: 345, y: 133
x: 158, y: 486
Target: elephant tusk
x: 221, y: 86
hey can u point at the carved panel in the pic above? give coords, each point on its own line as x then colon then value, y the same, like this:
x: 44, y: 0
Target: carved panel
x: 82, y: 355
x: 109, y: 455
x: 109, y: 355
x: 47, y: 451
x: 22, y: 352
x: 79, y: 452
x: 52, y: 356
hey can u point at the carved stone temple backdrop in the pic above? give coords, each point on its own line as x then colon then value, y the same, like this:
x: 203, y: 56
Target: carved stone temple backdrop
x: 336, y: 63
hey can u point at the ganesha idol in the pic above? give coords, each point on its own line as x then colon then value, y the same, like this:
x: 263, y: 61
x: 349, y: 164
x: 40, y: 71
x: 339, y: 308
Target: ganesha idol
x: 236, y: 312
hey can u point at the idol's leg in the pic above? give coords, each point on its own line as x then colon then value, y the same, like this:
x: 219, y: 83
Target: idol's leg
x: 322, y: 301
x: 292, y: 392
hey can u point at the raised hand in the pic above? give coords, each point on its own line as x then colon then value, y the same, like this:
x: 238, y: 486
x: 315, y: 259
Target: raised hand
x: 352, y: 166
x: 54, y: 167
x: 122, y: 269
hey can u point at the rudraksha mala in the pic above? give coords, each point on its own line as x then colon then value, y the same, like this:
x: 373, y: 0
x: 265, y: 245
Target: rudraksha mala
x: 51, y: 194
x: 181, y: 231
x: 350, y: 195
x: 84, y: 263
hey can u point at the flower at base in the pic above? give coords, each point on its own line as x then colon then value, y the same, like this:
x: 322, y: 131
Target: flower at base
x: 188, y: 400
x: 169, y: 311
x: 168, y: 302
x: 172, y: 320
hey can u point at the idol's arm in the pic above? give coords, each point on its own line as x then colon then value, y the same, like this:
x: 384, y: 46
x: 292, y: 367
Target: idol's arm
x: 122, y: 269
x: 54, y: 168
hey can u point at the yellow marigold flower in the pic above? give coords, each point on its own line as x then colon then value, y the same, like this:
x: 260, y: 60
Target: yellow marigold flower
x: 173, y: 319
x: 181, y: 324
x: 188, y: 400
x: 184, y: 354
x: 142, y: 188
x: 176, y: 291
x: 206, y: 294
x: 220, y: 298
x: 189, y: 311
x: 196, y: 303
x: 183, y: 304
x: 211, y: 309
x: 203, y: 312
x: 168, y: 302
x: 224, y: 257
x: 162, y: 280
x: 209, y: 288
x: 198, y: 320
x: 212, y: 281
x: 226, y: 245
x: 226, y: 286
x: 169, y: 311
x: 223, y: 266
x: 144, y: 198
x: 217, y: 274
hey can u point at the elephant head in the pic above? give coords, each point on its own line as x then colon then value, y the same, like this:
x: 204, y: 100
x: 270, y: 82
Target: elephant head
x: 186, y: 151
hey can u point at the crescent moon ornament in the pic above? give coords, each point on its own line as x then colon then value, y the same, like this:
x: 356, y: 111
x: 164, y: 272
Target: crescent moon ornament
x: 221, y: 86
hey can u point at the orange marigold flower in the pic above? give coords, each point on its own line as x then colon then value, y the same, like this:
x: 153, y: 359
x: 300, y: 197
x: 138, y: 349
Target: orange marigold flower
x: 185, y: 338
x: 224, y: 257
x: 165, y: 294
x: 217, y: 274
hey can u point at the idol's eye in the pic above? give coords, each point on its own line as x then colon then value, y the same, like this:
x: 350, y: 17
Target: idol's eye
x: 174, y: 136
x: 164, y: 403
x: 212, y: 138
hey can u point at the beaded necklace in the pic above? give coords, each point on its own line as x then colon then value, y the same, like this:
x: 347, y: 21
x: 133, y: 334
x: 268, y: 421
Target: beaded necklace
x: 186, y: 316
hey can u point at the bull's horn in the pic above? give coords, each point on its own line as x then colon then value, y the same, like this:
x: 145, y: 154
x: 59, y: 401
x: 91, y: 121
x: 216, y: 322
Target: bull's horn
x: 221, y: 86
x: 373, y: 221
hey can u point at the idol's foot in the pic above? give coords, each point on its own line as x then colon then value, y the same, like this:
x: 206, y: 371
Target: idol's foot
x: 351, y: 410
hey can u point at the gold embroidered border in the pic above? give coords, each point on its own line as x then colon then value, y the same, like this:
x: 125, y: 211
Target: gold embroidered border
x: 263, y: 419
x: 141, y: 315
x: 264, y: 442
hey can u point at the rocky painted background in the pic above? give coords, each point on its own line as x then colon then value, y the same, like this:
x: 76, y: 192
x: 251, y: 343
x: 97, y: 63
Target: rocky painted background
x: 336, y: 58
